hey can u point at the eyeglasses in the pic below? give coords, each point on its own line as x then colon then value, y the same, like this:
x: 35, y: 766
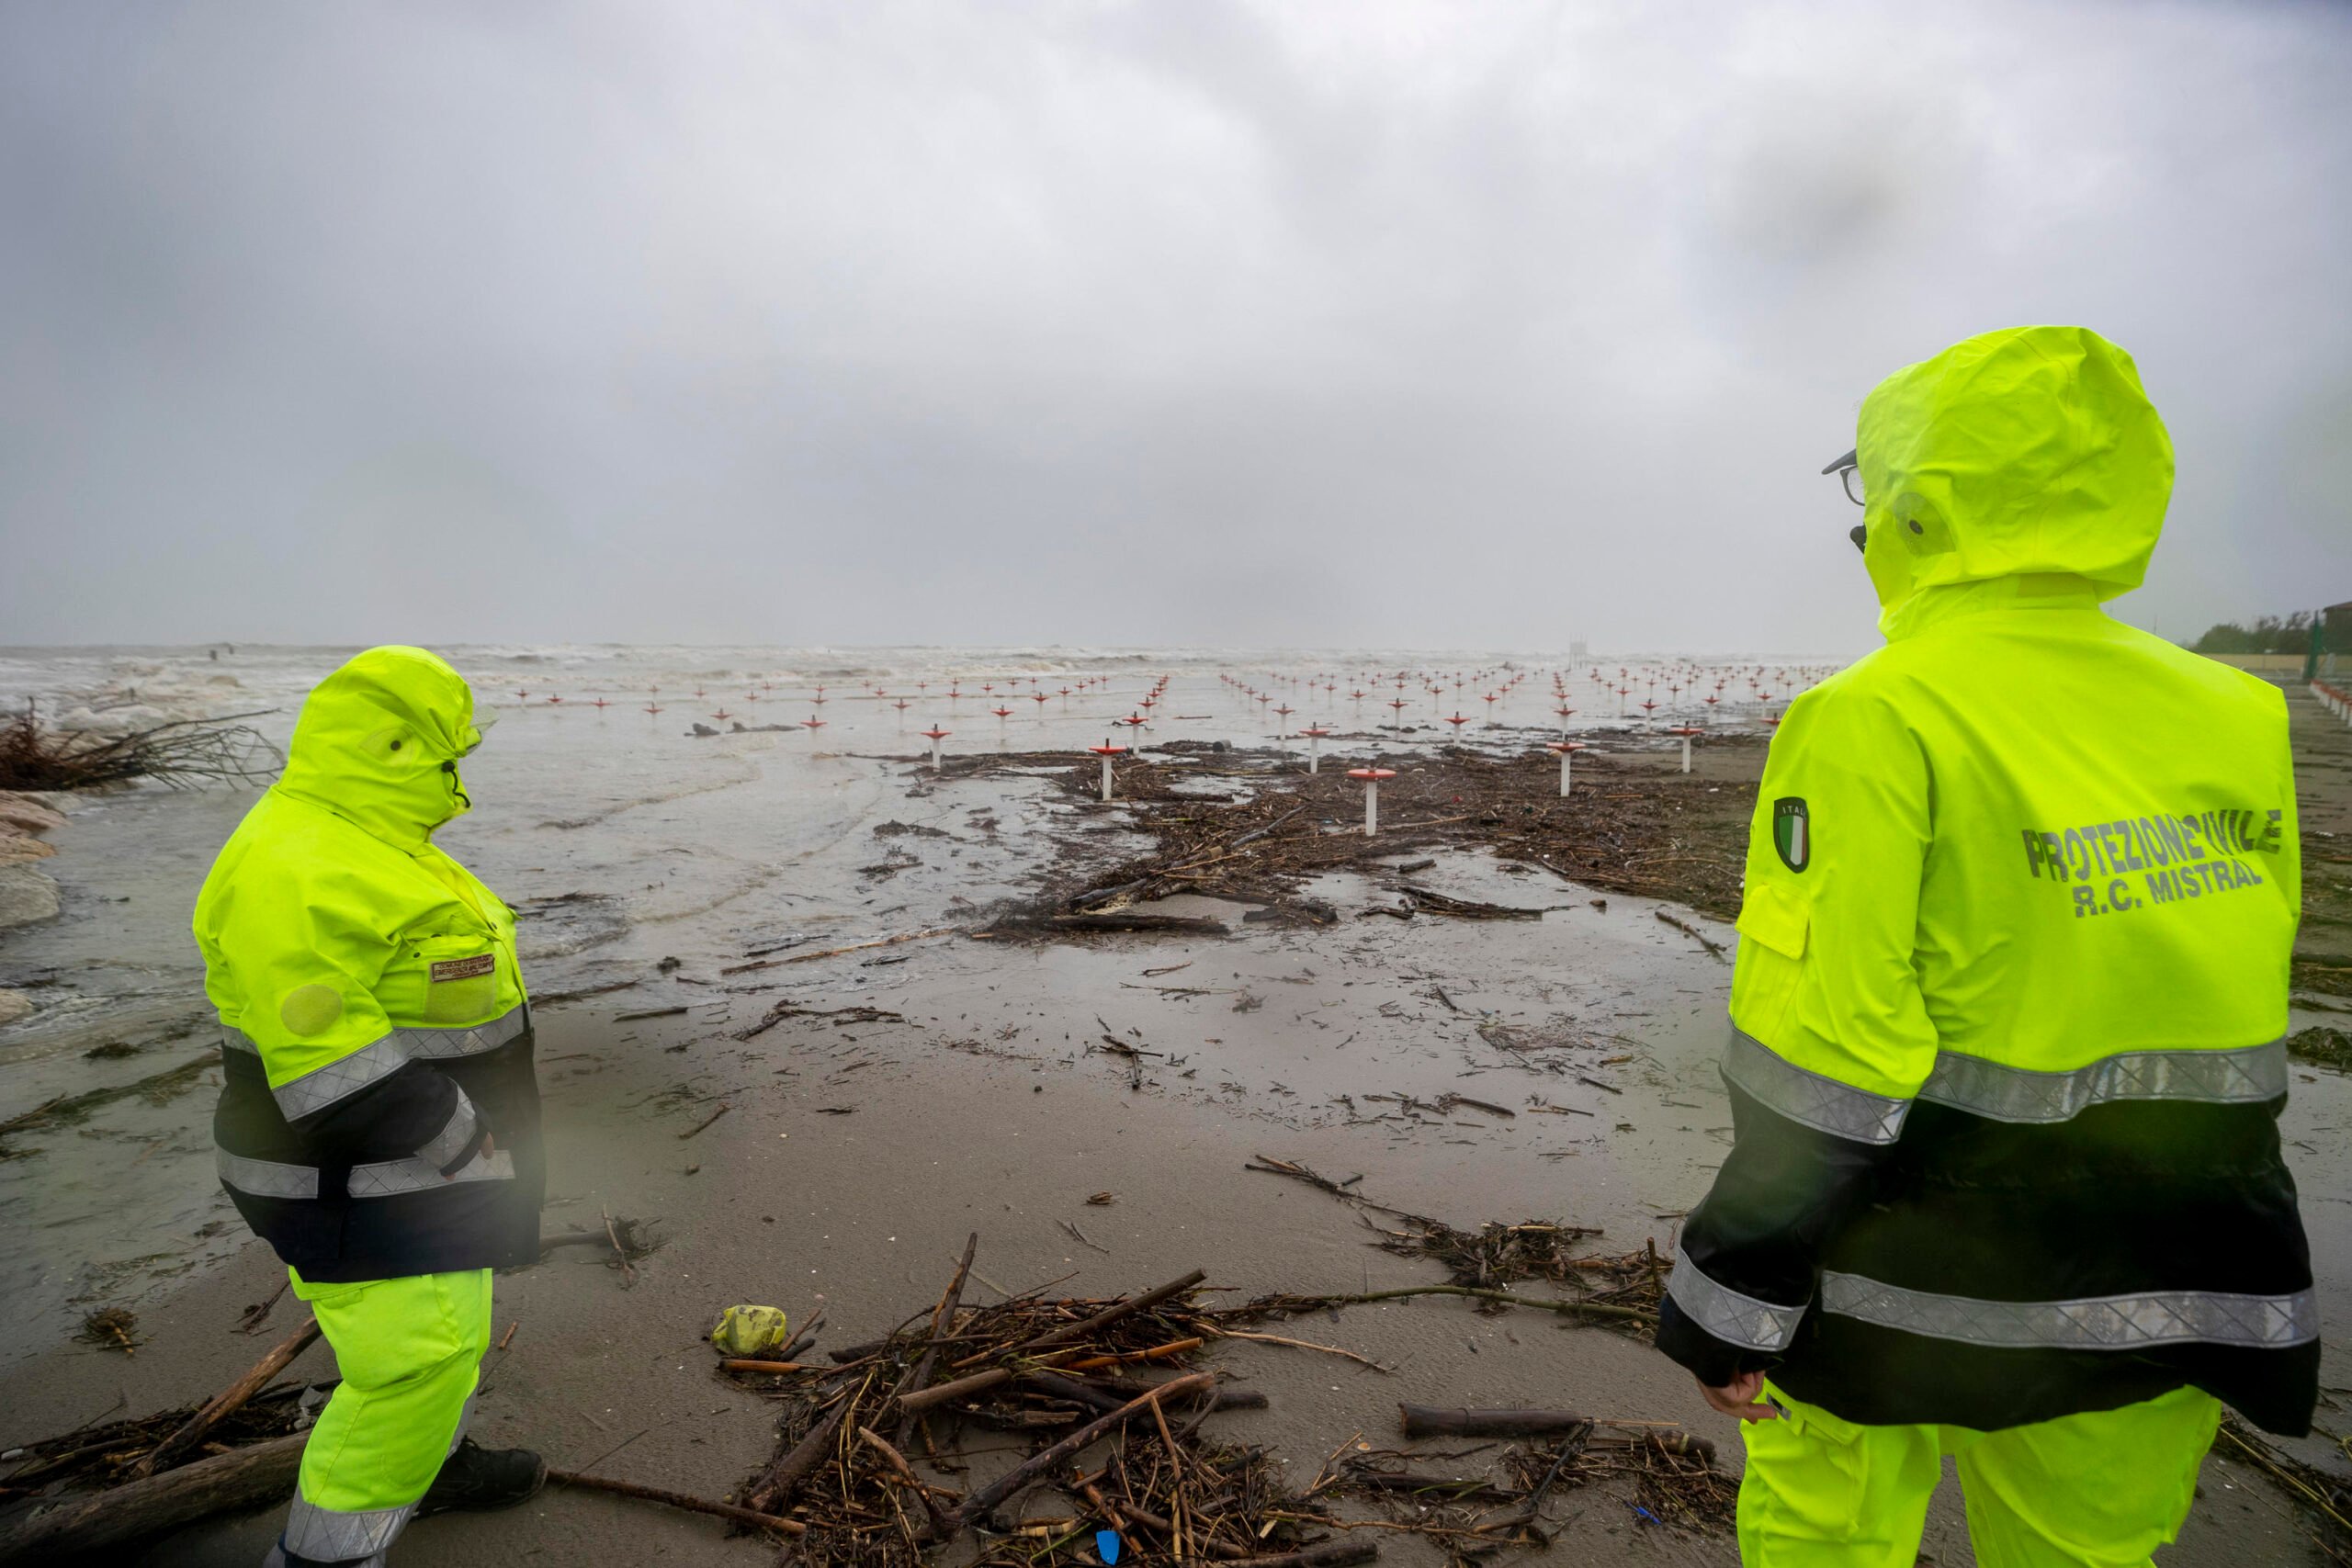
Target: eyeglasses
x: 1848, y: 469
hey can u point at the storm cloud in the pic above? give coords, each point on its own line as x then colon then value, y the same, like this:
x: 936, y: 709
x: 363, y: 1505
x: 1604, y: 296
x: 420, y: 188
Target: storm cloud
x: 1189, y: 322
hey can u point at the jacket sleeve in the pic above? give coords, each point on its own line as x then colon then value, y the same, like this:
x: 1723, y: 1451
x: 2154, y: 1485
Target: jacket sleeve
x: 304, y: 961
x: 1830, y: 1037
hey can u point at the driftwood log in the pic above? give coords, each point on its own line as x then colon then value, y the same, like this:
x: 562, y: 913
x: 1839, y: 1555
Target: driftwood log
x: 114, y: 1519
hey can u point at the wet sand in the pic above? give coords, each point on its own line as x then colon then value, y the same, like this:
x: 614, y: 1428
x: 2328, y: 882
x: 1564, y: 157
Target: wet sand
x: 853, y: 1160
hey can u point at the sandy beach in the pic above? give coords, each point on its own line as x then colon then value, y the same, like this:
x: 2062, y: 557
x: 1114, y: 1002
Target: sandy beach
x: 798, y: 1020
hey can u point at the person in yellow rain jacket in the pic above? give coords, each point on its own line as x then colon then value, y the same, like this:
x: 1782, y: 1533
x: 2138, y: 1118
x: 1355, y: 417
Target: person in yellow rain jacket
x: 380, y: 1121
x: 2006, y: 1052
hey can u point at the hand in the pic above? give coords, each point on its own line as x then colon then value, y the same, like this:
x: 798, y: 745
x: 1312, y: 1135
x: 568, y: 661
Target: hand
x: 1742, y: 1397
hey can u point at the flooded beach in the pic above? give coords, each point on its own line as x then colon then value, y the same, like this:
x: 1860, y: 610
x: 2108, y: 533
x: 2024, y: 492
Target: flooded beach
x: 797, y: 1020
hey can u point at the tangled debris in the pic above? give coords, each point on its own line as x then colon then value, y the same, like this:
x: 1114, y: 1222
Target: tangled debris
x: 186, y: 754
x: 110, y: 1328
x: 852, y: 1434
x: 98, y: 1457
x: 624, y: 1241
x: 2321, y: 1046
x: 869, y: 1467
x: 1621, y: 1289
x: 1670, y: 1474
x: 2327, y: 1498
x: 1626, y: 828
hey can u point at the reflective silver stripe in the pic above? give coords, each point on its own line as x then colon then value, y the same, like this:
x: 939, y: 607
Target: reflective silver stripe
x: 2002, y: 1093
x: 1821, y: 1103
x: 379, y: 1058
x: 416, y: 1175
x: 2239, y: 1075
x: 425, y: 1041
x: 335, y: 1535
x: 2097, y: 1323
x: 468, y: 1042
x: 1728, y: 1315
x: 265, y: 1178
x: 321, y: 1087
x: 454, y: 1134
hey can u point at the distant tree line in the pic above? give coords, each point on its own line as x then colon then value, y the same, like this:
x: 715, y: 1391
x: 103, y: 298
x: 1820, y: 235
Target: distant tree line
x: 2268, y: 634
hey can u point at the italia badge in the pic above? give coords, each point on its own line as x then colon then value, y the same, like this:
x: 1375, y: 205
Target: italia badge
x: 1792, y: 833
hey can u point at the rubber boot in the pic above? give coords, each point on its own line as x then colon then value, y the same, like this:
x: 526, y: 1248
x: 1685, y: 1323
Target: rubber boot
x: 477, y: 1477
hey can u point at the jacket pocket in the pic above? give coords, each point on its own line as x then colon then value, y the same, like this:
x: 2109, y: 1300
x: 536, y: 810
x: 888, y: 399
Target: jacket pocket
x: 1776, y: 918
x: 1774, y: 927
x: 461, y: 976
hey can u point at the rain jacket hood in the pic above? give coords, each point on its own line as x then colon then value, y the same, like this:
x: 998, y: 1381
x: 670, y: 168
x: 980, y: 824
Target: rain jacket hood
x: 2029, y: 453
x: 378, y: 741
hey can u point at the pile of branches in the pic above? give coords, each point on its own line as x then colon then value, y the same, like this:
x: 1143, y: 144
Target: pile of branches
x: 1626, y: 828
x: 869, y: 1467
x: 844, y: 1482
x: 108, y: 1487
x: 189, y: 753
x: 112, y: 1454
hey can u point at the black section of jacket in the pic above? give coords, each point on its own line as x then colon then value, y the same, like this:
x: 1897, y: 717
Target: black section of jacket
x: 337, y: 1238
x: 2126, y: 1197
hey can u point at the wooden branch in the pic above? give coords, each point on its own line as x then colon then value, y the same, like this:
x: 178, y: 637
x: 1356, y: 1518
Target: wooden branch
x: 629, y: 1275
x: 775, y: 1489
x: 256, y: 1378
x: 1041, y: 1463
x: 940, y: 1525
x: 240, y: 1479
x: 693, y: 1505
x: 1157, y: 1353
x: 1301, y: 1344
x: 921, y: 1400
x: 943, y: 1318
x: 1435, y: 1421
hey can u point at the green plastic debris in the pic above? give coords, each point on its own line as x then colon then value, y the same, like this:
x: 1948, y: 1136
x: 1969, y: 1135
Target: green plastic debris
x: 750, y: 1330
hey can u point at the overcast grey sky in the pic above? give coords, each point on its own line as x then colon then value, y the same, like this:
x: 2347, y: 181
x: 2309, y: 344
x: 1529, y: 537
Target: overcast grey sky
x: 1439, y: 325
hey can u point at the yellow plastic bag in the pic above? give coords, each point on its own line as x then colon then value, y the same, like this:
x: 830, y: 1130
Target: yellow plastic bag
x: 750, y: 1330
